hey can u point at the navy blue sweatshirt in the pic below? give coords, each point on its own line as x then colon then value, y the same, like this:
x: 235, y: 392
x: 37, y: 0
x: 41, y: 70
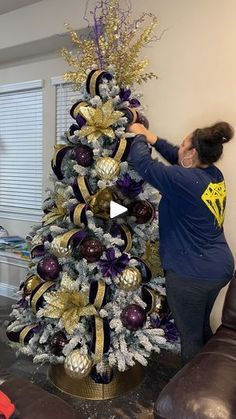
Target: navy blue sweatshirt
x: 191, y: 213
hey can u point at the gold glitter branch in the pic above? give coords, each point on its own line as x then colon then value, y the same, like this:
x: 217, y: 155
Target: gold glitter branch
x: 118, y: 46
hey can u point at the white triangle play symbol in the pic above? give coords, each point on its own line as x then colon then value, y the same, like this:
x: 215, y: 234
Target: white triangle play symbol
x: 116, y: 209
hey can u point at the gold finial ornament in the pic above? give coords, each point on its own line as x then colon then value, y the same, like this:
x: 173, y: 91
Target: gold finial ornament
x: 107, y: 168
x: 115, y: 41
x: 130, y: 279
x: 78, y: 365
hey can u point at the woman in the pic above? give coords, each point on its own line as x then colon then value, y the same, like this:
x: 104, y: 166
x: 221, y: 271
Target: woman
x: 193, y: 248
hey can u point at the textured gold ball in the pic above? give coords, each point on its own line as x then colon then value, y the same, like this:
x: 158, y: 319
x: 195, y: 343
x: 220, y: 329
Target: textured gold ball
x: 107, y: 168
x: 30, y: 284
x: 78, y: 365
x: 130, y: 279
x: 58, y: 250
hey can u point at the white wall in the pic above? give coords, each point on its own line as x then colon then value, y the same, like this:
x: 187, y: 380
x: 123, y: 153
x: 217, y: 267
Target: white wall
x: 195, y: 61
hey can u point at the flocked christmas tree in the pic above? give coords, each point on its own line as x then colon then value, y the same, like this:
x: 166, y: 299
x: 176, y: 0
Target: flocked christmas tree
x: 93, y: 299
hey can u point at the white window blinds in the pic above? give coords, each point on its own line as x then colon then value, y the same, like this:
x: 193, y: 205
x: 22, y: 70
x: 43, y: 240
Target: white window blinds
x: 21, y: 150
x: 65, y: 98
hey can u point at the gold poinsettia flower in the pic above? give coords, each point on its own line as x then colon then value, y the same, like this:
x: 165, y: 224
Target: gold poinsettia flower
x: 58, y: 211
x: 68, y: 305
x: 99, y: 121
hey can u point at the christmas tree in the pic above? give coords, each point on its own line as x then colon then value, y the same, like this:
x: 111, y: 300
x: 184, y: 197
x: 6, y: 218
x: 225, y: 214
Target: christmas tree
x: 94, y: 298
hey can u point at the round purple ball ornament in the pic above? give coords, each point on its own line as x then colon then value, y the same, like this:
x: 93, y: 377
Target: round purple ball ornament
x: 91, y: 249
x: 48, y: 268
x: 133, y: 317
x: 58, y: 341
x: 83, y: 155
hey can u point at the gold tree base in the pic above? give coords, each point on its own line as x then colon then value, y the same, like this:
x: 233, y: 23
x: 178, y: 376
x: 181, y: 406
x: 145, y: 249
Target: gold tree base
x: 86, y: 388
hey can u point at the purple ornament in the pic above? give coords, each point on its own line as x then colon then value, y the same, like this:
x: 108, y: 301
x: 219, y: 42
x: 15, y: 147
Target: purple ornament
x: 165, y: 323
x: 83, y: 155
x: 113, y: 266
x: 144, y: 211
x: 129, y: 187
x: 133, y: 317
x: 58, y: 341
x: 48, y: 268
x: 91, y: 249
x: 125, y: 96
x: 134, y: 103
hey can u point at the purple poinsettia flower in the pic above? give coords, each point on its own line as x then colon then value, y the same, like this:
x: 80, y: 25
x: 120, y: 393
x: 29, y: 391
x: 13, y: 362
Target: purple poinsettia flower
x: 129, y: 187
x: 125, y: 97
x: 113, y: 266
x: 167, y: 325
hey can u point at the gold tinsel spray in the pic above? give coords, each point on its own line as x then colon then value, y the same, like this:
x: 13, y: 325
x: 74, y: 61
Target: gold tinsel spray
x: 115, y: 41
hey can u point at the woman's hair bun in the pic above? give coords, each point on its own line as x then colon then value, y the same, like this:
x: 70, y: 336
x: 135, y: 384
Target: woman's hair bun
x: 222, y: 132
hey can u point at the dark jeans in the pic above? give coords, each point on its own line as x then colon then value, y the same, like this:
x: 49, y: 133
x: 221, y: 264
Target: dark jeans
x: 191, y: 302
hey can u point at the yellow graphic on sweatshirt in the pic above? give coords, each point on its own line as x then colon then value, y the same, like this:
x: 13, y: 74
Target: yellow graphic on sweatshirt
x: 215, y: 197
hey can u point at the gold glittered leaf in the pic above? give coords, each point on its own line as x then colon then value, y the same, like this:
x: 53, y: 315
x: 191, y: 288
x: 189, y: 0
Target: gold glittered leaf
x: 118, y: 45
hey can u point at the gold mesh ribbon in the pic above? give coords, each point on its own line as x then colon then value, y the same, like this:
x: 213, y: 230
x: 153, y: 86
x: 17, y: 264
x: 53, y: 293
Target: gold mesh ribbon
x: 83, y: 188
x: 77, y: 214
x: 128, y: 237
x: 121, y: 149
x: 93, y: 82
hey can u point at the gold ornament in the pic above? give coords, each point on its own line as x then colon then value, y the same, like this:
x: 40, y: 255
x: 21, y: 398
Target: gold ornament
x: 152, y: 258
x: 130, y: 279
x: 99, y: 121
x: 78, y: 365
x: 100, y: 202
x: 107, y: 168
x: 30, y: 284
x: 118, y: 45
x: 58, y: 249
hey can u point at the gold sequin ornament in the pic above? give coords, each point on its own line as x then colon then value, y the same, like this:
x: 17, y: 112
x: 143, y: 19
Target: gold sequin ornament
x: 107, y: 168
x: 30, y: 284
x: 130, y: 279
x: 78, y: 365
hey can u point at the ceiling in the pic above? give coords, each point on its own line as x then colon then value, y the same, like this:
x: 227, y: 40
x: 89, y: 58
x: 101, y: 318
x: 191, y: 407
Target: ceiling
x: 10, y: 5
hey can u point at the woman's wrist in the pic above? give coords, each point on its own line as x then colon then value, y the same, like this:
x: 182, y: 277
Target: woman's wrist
x: 152, y: 138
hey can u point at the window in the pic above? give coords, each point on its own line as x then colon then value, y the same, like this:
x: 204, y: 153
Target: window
x: 65, y: 97
x: 21, y: 151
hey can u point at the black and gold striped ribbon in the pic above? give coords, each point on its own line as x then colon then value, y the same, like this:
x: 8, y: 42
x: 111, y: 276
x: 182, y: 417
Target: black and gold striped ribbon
x: 42, y: 289
x: 25, y: 332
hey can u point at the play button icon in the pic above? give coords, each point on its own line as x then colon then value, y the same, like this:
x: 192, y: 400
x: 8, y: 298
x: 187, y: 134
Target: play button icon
x: 116, y: 209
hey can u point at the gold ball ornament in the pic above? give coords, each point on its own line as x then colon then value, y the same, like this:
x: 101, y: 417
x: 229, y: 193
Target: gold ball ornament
x: 107, y: 168
x: 78, y: 365
x: 58, y: 250
x: 130, y: 279
x: 30, y: 284
x: 99, y: 203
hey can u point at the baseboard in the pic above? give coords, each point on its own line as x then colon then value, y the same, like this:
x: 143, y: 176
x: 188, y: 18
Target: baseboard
x: 8, y: 290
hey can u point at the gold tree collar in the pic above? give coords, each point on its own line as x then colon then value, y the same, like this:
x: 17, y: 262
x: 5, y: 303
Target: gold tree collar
x: 115, y: 40
x: 99, y: 121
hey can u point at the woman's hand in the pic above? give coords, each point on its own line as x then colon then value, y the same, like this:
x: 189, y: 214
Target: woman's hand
x: 139, y: 129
